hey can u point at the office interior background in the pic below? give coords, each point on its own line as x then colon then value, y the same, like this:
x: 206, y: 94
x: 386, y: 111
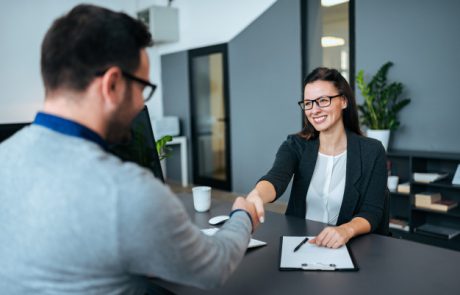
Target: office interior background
x: 265, y: 47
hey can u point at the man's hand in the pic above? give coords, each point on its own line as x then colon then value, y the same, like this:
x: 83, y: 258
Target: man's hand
x: 255, y: 199
x: 242, y: 203
x: 332, y: 237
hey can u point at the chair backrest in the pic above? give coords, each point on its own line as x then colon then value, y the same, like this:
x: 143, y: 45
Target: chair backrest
x: 141, y: 149
x: 7, y: 130
x: 384, y: 226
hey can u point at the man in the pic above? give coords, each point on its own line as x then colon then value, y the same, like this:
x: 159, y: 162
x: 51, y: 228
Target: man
x: 73, y: 218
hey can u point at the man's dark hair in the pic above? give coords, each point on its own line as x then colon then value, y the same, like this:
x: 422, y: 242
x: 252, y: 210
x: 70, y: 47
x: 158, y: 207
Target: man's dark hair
x: 87, y: 40
x: 350, y: 113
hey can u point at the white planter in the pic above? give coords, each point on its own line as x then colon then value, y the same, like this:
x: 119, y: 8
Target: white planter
x: 382, y: 135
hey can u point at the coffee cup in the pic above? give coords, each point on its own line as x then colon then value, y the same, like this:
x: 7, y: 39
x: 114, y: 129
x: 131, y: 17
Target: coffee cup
x: 392, y: 183
x: 201, y: 198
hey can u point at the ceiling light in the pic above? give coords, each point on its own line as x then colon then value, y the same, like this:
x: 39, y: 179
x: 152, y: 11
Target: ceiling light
x: 327, y: 3
x: 329, y: 41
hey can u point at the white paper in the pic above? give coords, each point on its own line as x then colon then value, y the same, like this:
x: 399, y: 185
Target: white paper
x: 253, y: 243
x: 310, y: 256
x: 429, y: 177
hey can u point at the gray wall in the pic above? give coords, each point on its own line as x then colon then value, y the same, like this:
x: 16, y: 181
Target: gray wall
x: 265, y: 84
x: 176, y: 102
x: 421, y: 38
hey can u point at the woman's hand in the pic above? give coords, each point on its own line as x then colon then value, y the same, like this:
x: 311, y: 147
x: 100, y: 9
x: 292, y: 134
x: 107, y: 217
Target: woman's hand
x: 256, y: 199
x: 337, y: 236
x: 332, y: 237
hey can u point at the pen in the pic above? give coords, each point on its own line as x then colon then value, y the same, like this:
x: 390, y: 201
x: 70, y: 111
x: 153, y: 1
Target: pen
x: 300, y: 245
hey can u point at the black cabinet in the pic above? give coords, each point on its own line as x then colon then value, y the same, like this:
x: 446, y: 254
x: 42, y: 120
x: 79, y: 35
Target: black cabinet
x: 404, y: 164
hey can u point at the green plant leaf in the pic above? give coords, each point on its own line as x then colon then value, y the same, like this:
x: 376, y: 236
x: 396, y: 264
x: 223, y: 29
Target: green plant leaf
x: 162, y: 150
x: 381, y: 100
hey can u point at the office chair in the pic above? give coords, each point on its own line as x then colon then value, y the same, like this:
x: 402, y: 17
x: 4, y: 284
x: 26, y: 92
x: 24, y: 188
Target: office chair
x: 384, y: 226
x: 6, y: 130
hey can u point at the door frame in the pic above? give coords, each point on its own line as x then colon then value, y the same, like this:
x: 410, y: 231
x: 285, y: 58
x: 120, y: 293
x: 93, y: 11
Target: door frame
x: 197, y: 179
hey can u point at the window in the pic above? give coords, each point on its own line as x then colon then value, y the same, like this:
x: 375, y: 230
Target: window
x: 328, y: 35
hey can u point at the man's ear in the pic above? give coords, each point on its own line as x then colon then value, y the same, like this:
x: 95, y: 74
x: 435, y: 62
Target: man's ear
x: 112, y: 86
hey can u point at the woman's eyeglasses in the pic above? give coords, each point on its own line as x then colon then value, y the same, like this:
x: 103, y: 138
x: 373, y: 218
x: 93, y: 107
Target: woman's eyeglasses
x: 322, y: 102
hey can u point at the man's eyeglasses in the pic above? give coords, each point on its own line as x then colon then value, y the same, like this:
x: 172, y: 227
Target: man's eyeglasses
x: 322, y: 102
x: 149, y: 88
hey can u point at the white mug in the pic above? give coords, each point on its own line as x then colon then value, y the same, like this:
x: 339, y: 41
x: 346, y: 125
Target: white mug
x: 201, y: 198
x: 392, y: 183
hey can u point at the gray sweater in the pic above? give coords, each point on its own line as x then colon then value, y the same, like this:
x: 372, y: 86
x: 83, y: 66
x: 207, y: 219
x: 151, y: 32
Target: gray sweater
x: 76, y: 220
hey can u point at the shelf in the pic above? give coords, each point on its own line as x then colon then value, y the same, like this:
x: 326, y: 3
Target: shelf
x: 441, y: 184
x: 424, y: 155
x: 405, y: 163
x: 400, y: 229
x: 399, y: 234
x: 405, y: 195
x: 455, y: 212
x: 453, y: 243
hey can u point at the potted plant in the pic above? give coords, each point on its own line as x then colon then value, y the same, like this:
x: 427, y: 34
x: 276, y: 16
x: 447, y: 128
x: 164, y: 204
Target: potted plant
x: 162, y: 149
x: 381, y: 104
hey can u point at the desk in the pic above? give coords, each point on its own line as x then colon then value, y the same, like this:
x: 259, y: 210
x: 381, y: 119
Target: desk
x: 387, y: 265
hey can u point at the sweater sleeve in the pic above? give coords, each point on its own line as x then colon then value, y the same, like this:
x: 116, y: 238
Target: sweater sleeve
x: 157, y: 238
x: 285, y: 164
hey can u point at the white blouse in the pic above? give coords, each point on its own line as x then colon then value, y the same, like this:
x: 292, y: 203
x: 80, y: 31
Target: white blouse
x: 325, y: 194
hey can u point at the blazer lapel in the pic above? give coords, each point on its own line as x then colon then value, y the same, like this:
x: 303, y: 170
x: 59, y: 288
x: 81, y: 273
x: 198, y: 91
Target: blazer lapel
x: 353, y: 173
x: 307, y: 166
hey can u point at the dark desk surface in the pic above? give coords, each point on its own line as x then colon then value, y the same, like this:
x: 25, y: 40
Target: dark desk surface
x: 387, y: 265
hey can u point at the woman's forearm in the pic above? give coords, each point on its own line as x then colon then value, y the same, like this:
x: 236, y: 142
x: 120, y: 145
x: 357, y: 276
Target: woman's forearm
x: 357, y: 226
x: 266, y: 191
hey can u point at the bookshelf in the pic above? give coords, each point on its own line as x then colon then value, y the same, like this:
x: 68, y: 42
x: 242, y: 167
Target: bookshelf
x: 404, y: 163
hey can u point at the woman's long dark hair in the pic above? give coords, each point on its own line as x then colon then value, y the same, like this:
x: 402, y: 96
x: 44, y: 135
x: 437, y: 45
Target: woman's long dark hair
x: 350, y: 113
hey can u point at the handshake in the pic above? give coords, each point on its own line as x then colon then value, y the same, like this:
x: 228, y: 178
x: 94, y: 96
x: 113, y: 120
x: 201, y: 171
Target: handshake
x: 249, y: 206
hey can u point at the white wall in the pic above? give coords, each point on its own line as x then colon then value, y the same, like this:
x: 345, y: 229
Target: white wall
x: 201, y: 23
x: 23, y: 24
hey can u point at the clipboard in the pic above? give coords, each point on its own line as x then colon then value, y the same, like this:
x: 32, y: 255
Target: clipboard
x: 314, y: 258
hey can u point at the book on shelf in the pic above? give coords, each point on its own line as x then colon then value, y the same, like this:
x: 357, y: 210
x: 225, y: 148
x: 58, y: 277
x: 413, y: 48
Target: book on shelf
x: 403, y: 188
x: 429, y: 177
x: 399, y: 224
x: 437, y: 231
x: 426, y: 198
x: 443, y: 205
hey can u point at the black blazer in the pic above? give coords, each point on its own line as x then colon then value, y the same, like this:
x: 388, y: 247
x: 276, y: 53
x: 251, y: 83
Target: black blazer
x: 365, y: 184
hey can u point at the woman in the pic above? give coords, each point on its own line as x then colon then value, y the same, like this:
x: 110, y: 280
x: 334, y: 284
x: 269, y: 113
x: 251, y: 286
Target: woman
x: 339, y: 175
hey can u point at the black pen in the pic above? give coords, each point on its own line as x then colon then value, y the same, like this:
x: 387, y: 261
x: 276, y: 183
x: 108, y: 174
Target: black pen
x: 301, y: 243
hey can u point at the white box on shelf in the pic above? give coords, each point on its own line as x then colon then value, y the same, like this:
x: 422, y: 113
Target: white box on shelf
x: 163, y: 22
x: 429, y: 177
x: 166, y: 126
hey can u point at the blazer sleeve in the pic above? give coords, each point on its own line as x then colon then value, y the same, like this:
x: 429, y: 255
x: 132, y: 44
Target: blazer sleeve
x: 374, y: 198
x: 286, y: 162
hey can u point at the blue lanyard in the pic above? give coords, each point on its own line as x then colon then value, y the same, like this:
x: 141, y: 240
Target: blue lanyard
x: 68, y: 127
